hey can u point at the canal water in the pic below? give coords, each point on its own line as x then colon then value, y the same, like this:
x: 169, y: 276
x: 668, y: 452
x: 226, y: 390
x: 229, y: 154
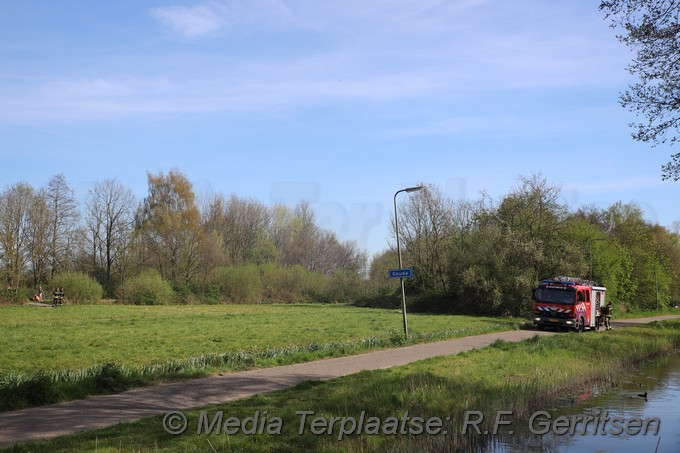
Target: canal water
x: 640, y: 413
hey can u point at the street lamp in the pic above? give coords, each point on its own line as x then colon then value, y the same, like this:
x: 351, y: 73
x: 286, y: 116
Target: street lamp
x: 396, y: 229
x: 590, y: 248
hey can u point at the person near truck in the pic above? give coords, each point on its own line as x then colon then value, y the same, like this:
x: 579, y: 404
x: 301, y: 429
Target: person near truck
x: 606, y: 312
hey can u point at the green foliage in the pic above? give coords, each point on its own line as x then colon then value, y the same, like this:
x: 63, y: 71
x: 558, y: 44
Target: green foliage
x: 169, y: 222
x: 644, y: 269
x: 343, y: 287
x: 264, y: 250
x: 79, y: 288
x: 237, y: 284
x: 112, y: 378
x: 478, y: 256
x: 492, y: 272
x: 272, y: 283
x: 505, y: 250
x: 292, y: 284
x: 19, y: 392
x: 148, y: 288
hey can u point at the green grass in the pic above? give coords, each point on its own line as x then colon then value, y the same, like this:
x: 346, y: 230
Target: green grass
x: 50, y: 354
x: 644, y: 313
x: 522, y: 377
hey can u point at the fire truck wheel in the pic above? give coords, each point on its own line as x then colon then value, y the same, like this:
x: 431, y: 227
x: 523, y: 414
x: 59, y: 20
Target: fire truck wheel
x: 579, y: 326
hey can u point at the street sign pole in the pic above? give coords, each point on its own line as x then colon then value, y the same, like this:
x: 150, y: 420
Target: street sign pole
x: 401, y: 273
x: 396, y: 229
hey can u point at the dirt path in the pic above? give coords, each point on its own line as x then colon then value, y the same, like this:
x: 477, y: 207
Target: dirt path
x: 55, y: 420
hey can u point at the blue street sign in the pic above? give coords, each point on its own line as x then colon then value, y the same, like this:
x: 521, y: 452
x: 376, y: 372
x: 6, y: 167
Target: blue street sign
x: 401, y: 273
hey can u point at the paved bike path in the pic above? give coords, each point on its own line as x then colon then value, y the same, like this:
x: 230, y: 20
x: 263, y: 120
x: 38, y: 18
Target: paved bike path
x: 47, y: 422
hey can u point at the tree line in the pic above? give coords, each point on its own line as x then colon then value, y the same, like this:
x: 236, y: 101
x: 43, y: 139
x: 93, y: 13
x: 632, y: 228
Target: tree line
x: 485, y: 256
x: 469, y: 256
x: 182, y: 238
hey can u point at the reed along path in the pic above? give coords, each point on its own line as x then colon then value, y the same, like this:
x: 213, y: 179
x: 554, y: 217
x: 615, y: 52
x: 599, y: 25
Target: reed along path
x: 47, y: 422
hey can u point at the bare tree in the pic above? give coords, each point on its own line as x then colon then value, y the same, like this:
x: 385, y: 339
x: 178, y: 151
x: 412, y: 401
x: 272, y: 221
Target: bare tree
x: 282, y: 230
x: 426, y: 226
x: 110, y: 222
x: 302, y: 242
x: 15, y: 205
x: 239, y: 222
x: 306, y: 238
x: 64, y: 221
x: 39, y: 234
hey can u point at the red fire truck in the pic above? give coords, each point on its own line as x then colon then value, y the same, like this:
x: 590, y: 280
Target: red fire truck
x: 568, y: 303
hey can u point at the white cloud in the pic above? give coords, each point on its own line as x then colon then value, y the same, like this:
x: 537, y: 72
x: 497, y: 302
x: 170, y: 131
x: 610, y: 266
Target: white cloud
x: 190, y: 21
x: 213, y: 17
x: 311, y: 53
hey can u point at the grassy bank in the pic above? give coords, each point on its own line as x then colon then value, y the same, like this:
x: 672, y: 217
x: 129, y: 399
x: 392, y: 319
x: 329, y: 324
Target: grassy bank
x: 522, y: 377
x: 50, y: 355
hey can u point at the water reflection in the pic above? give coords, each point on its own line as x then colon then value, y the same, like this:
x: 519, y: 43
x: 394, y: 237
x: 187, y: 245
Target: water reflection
x: 609, y: 420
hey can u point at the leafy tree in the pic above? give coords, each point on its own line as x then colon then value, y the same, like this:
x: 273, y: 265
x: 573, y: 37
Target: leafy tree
x: 652, y: 29
x: 673, y: 244
x: 503, y: 250
x: 382, y: 263
x: 587, y: 232
x: 169, y: 222
x: 492, y: 272
x: 646, y: 270
x: 533, y: 211
x: 664, y: 271
x: 264, y: 249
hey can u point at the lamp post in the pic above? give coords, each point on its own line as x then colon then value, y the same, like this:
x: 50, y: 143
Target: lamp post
x: 396, y: 229
x: 590, y: 248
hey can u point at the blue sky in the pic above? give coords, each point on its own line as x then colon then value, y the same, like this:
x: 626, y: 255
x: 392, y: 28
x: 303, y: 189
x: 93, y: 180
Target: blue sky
x: 339, y: 103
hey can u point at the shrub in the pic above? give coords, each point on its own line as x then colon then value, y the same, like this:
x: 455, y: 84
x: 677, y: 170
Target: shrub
x: 111, y: 378
x: 344, y: 286
x: 239, y: 284
x: 273, y: 280
x: 79, y: 288
x: 20, y: 392
x: 292, y: 284
x: 148, y: 288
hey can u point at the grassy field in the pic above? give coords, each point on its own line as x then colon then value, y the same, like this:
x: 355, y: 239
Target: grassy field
x: 522, y: 377
x: 75, y: 337
x: 59, y: 353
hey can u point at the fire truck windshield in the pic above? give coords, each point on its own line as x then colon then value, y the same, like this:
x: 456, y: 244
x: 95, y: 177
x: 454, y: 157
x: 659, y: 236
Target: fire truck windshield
x: 555, y: 296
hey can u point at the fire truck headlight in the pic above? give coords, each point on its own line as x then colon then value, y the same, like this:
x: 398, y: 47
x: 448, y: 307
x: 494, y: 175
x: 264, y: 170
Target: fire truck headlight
x: 569, y: 322
x: 537, y: 319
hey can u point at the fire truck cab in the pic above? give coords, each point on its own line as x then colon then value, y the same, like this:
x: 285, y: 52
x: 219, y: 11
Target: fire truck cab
x: 568, y: 303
